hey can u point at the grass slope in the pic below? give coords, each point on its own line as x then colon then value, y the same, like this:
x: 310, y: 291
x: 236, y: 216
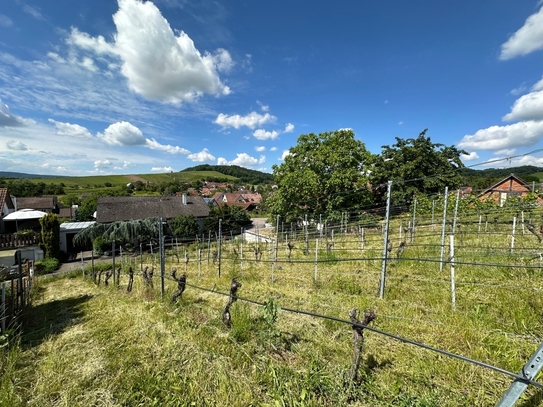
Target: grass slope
x: 95, y: 345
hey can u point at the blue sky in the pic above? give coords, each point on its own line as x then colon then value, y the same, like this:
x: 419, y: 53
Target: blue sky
x: 94, y: 87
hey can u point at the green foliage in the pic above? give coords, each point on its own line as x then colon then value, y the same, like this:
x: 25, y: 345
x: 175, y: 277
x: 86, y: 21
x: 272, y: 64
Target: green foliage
x: 418, y: 166
x: 25, y: 188
x: 50, y: 235
x: 322, y: 175
x: 100, y: 245
x: 46, y: 266
x: 244, y: 175
x: 185, y: 226
x: 233, y: 217
x: 69, y: 200
x: 24, y: 233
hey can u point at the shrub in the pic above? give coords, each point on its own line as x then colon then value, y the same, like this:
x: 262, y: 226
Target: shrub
x: 45, y: 266
x: 100, y: 245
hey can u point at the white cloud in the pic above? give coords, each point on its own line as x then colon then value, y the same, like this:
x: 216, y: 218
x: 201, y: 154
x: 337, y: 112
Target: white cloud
x: 538, y: 85
x: 33, y: 11
x: 157, y: 63
x: 243, y: 160
x: 260, y: 148
x: 8, y: 119
x: 273, y: 149
x: 5, y: 21
x: 16, y: 145
x: 522, y: 134
x: 263, y: 107
x: 506, y: 152
x: 155, y: 145
x: 251, y: 120
x: 262, y: 134
x: 162, y: 169
x: 284, y: 155
x: 222, y: 60
x: 527, y: 39
x: 102, y: 164
x: 289, y: 128
x: 527, y: 107
x: 517, y: 91
x: 71, y: 130
x: 469, y: 157
x: 122, y: 134
x: 400, y: 123
x: 98, y: 45
x: 202, y: 156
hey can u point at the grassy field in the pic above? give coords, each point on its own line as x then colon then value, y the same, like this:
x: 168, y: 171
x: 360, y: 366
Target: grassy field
x: 85, y: 185
x: 92, y: 345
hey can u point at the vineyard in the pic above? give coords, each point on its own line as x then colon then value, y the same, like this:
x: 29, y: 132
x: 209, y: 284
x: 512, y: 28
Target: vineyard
x: 447, y: 278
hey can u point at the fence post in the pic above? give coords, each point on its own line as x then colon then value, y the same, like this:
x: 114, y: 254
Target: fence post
x: 479, y: 228
x: 219, y: 242
x: 414, y: 219
x: 82, y: 264
x: 513, y: 234
x: 433, y: 211
x: 3, y: 309
x: 161, y: 249
x: 113, y: 258
x: 385, y: 243
x: 455, y: 211
x: 275, y: 248
x: 444, y: 225
x: 316, y: 257
x: 529, y: 371
x: 453, y: 284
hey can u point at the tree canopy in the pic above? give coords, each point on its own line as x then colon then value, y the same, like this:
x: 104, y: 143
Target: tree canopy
x: 322, y: 175
x: 418, y: 166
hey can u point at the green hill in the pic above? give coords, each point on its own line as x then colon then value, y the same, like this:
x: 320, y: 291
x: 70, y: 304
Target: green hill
x: 245, y: 175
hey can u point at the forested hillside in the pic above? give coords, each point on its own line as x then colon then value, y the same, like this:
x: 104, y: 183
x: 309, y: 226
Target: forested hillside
x: 245, y: 175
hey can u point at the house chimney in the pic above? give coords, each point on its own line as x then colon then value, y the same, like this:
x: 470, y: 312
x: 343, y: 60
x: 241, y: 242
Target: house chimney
x: 184, y: 199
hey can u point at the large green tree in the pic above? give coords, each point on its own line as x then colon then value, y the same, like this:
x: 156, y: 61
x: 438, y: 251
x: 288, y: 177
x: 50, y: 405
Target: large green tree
x: 415, y: 166
x: 323, y: 174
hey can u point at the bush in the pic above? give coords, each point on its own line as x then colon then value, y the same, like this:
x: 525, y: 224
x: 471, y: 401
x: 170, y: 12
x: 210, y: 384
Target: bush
x: 100, y: 245
x: 45, y: 266
x: 24, y: 234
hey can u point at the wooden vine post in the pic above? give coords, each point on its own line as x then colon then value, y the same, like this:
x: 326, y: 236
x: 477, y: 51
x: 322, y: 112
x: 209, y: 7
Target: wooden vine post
x: 130, y: 280
x: 358, y: 337
x: 226, y: 317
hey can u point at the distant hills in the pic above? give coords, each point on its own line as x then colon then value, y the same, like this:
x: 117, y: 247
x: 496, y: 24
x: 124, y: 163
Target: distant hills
x: 245, y: 175
x: 523, y: 171
x: 7, y: 174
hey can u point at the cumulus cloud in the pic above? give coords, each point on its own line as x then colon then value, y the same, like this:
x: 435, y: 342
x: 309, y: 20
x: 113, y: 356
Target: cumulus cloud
x: 122, y: 134
x: 506, y: 152
x: 262, y: 134
x: 527, y: 39
x: 243, y: 160
x: 155, y: 145
x: 102, y: 164
x: 251, y: 120
x: 162, y: 169
x: 157, y: 63
x: 71, y: 130
x: 222, y: 60
x: 16, y: 145
x: 273, y: 149
x: 538, y: 85
x: 260, y: 148
x: 527, y: 107
x: 263, y: 107
x: 8, y: 119
x: 469, y: 157
x: 201, y: 157
x: 289, y: 128
x: 522, y: 134
x: 284, y: 155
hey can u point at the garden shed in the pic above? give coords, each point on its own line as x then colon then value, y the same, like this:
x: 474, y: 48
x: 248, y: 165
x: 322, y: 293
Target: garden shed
x: 68, y: 231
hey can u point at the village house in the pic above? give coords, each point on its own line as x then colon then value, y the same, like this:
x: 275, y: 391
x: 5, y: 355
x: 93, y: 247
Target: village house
x: 511, y: 186
x: 246, y: 200
x: 125, y: 208
x: 7, y: 206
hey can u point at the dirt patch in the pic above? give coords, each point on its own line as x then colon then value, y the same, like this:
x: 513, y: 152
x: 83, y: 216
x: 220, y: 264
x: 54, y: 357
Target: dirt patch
x: 134, y: 178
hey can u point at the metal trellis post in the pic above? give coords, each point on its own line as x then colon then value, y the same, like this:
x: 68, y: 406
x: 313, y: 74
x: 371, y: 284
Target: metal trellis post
x: 529, y: 371
x: 385, y: 240
x: 161, y: 249
x: 443, y: 228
